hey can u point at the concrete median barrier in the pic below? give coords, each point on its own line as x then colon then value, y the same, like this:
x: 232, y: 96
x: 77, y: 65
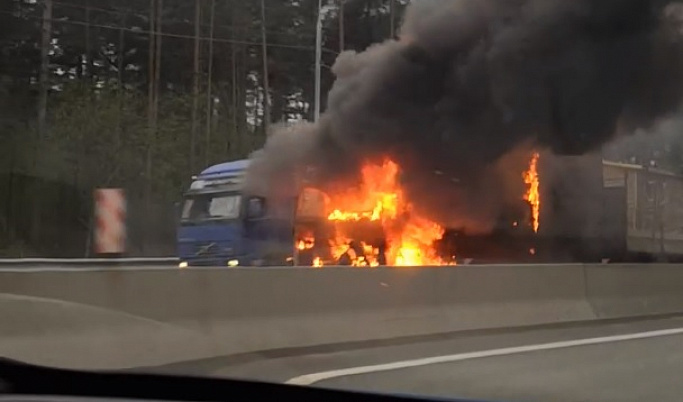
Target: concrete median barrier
x: 241, y: 310
x: 67, y: 334
x: 635, y: 290
x: 123, y: 319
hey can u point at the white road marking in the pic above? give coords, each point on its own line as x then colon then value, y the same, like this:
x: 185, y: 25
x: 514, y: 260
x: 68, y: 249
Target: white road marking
x: 310, y: 379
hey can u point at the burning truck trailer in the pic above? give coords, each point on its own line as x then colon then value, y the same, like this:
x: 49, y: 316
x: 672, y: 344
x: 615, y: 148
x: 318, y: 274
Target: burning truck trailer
x: 590, y: 210
x: 575, y: 210
x: 511, y: 240
x: 513, y: 234
x: 370, y: 220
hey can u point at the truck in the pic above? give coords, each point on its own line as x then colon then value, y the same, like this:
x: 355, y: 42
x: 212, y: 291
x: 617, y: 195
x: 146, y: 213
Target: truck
x: 592, y: 210
x: 222, y: 224
x: 210, y: 221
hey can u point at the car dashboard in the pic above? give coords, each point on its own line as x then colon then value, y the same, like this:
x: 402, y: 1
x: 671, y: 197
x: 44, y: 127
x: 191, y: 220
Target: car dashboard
x: 21, y: 382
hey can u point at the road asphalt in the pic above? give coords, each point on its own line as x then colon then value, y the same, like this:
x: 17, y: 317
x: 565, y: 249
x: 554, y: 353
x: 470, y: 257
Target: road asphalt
x: 613, y: 370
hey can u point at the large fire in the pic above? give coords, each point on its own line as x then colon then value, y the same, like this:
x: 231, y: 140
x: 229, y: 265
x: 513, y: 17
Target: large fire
x: 532, y: 195
x: 374, y: 224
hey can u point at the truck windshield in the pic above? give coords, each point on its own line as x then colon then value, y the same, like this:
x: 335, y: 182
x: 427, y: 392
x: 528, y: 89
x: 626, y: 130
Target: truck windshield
x: 211, y: 206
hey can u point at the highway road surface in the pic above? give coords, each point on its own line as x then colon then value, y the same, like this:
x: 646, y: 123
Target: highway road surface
x: 629, y: 360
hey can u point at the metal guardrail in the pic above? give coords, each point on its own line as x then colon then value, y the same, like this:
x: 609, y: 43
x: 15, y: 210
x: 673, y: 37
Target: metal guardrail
x: 151, y: 261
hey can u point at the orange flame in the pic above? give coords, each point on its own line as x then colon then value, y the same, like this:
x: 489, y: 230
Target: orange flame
x: 532, y: 195
x: 305, y: 244
x: 380, y: 201
x: 376, y: 199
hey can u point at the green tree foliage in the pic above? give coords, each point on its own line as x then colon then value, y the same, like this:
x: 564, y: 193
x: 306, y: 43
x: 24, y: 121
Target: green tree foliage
x: 98, y: 125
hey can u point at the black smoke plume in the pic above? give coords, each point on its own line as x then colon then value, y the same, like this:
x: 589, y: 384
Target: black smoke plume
x: 471, y: 86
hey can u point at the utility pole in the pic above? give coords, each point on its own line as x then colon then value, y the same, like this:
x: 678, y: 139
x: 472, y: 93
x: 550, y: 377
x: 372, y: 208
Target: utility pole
x: 119, y: 85
x: 392, y: 16
x: 44, y: 66
x: 44, y: 84
x: 341, y: 25
x: 150, y: 63
x: 266, y: 85
x: 121, y: 46
x: 318, y: 61
x: 157, y: 64
x: 209, y: 99
x: 89, y: 62
x: 195, y: 83
x: 154, y: 71
x: 233, y: 64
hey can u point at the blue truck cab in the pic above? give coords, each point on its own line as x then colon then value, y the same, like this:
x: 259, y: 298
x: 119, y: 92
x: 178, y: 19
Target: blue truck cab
x: 210, y: 225
x: 220, y: 224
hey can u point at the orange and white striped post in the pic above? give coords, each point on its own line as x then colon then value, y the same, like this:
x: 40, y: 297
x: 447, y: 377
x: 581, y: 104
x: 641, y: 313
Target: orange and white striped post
x: 110, y: 221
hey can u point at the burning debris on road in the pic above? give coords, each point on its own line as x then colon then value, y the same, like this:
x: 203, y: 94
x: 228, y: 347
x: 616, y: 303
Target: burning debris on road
x: 460, y: 102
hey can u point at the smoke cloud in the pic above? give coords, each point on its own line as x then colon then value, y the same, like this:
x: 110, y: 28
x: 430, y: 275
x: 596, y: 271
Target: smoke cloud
x: 660, y: 146
x: 472, y: 86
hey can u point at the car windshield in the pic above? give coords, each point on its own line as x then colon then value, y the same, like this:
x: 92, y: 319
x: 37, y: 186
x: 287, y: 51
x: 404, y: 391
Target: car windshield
x: 211, y: 206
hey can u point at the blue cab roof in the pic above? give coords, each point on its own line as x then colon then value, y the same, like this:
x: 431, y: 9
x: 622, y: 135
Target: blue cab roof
x: 226, y: 169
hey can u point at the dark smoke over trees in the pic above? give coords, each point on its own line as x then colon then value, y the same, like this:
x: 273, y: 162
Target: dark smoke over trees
x: 471, y: 86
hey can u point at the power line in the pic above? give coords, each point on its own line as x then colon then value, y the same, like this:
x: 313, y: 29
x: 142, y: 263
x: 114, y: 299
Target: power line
x: 128, y: 11
x: 141, y: 31
x: 113, y: 10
